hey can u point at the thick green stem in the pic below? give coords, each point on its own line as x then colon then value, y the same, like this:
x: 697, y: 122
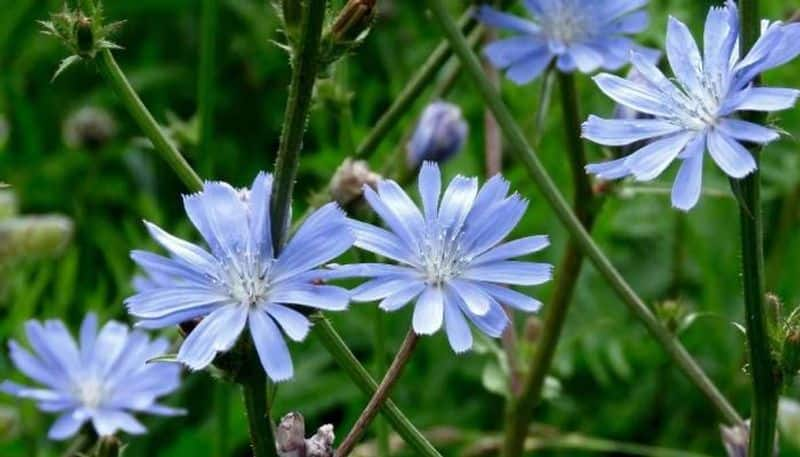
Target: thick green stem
x: 361, y: 378
x: 205, y: 80
x: 763, y: 367
x: 146, y: 122
x: 305, y: 66
x: 380, y: 396
x: 254, y: 391
x: 525, y: 154
x: 520, y: 410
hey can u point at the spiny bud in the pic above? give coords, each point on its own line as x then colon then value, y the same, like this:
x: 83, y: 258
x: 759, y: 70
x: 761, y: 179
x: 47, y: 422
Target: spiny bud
x: 8, y: 204
x: 440, y: 133
x: 108, y: 446
x: 790, y: 353
x: 84, y: 35
x: 354, y: 20
x: 33, y: 237
x: 347, y: 184
x: 89, y: 127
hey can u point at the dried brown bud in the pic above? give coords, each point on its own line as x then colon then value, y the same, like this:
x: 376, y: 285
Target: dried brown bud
x: 348, y: 182
x: 291, y: 442
x: 89, y: 127
x: 354, y: 19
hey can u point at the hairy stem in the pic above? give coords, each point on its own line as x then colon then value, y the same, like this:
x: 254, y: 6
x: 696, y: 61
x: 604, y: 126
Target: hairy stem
x: 254, y: 391
x: 130, y: 99
x: 520, y: 411
x: 553, y: 196
x: 361, y: 378
x: 305, y: 66
x: 380, y: 396
x: 763, y: 367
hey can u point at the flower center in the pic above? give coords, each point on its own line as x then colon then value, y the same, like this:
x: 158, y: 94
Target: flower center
x: 91, y: 392
x: 247, y: 279
x: 442, y: 254
x: 566, y: 23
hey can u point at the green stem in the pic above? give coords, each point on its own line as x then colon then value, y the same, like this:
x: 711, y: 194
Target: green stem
x: 526, y: 155
x: 222, y: 403
x: 763, y: 367
x: 380, y: 396
x: 361, y: 378
x: 254, y: 391
x: 146, y: 122
x: 520, y: 411
x: 380, y: 367
x: 205, y: 81
x: 305, y: 66
x: 544, y: 104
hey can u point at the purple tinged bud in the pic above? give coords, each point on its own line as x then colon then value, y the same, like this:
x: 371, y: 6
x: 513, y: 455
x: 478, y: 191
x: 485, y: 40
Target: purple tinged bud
x: 439, y: 135
x: 736, y: 438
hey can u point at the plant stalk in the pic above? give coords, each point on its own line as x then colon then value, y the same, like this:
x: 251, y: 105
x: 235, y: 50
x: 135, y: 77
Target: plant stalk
x: 361, y: 378
x: 763, y: 367
x: 555, y: 199
x: 305, y: 66
x: 205, y: 81
x: 520, y: 410
x: 254, y: 391
x: 380, y: 396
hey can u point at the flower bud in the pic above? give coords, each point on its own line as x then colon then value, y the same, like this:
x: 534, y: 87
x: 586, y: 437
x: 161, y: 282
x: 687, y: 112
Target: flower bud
x: 108, y: 446
x: 672, y: 314
x: 347, y: 184
x: 354, y: 20
x: 790, y: 354
x: 10, y: 424
x: 84, y: 35
x: 736, y: 438
x: 290, y: 438
x: 439, y: 135
x: 33, y: 237
x: 89, y: 127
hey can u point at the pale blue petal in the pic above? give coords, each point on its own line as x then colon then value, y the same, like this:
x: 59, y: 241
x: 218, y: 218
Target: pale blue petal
x: 480, y: 235
x: 474, y: 298
x: 492, y: 323
x: 457, y: 201
x: 492, y: 192
x: 88, y: 336
x: 108, y: 421
x: 220, y: 215
x: 494, y: 18
x: 613, y: 169
x: 511, y: 272
x: 33, y: 368
x: 530, y: 66
x: 259, y: 214
x: 586, y: 58
x: 294, y: 324
x: 689, y: 182
x: 651, y: 160
x: 66, y: 426
x: 732, y: 157
x: 110, y: 343
x: 746, y: 131
x: 163, y: 302
x: 271, y: 348
x: 511, y: 249
x: 395, y: 224
x: 510, y: 297
x: 633, y: 95
x: 429, y: 311
x: 763, y: 99
x: 379, y: 288
x: 188, y: 252
x: 331, y: 298
x: 382, y: 242
x: 504, y: 53
x: 684, y: 56
x: 430, y: 187
x: 217, y: 332
x: 459, y: 334
x: 398, y: 201
x: 401, y: 298
x: 621, y: 132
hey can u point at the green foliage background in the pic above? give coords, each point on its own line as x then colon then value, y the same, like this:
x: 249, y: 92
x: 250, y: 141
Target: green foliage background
x: 615, y: 383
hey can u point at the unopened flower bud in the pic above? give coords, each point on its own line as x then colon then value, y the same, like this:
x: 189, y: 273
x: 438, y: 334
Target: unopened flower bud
x: 290, y: 438
x: 790, y: 354
x: 89, y: 127
x: 33, y: 237
x: 84, y: 35
x: 8, y: 204
x: 347, y: 184
x: 439, y: 135
x: 735, y: 439
x: 354, y: 20
x: 108, y: 446
x: 671, y: 313
x: 9, y: 424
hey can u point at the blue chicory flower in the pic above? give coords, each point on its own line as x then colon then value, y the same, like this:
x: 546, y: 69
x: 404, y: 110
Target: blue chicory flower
x: 579, y: 34
x: 697, y: 113
x: 103, y: 379
x: 241, y: 282
x: 439, y: 135
x: 449, y: 257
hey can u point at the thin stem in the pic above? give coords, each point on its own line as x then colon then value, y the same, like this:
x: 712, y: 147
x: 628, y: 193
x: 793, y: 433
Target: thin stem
x: 763, y: 367
x: 305, y: 66
x: 553, y: 196
x: 254, y: 391
x: 380, y: 396
x: 383, y: 445
x: 222, y: 403
x: 361, y: 378
x: 545, y: 93
x: 146, y: 122
x: 205, y: 80
x: 521, y: 411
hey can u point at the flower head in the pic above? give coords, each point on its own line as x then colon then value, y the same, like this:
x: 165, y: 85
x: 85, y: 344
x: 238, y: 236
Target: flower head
x: 439, y: 135
x: 582, y: 34
x: 102, y: 379
x: 241, y: 281
x: 698, y: 113
x: 449, y: 257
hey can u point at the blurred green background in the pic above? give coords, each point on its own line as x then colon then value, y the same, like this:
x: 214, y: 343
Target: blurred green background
x: 609, y: 381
